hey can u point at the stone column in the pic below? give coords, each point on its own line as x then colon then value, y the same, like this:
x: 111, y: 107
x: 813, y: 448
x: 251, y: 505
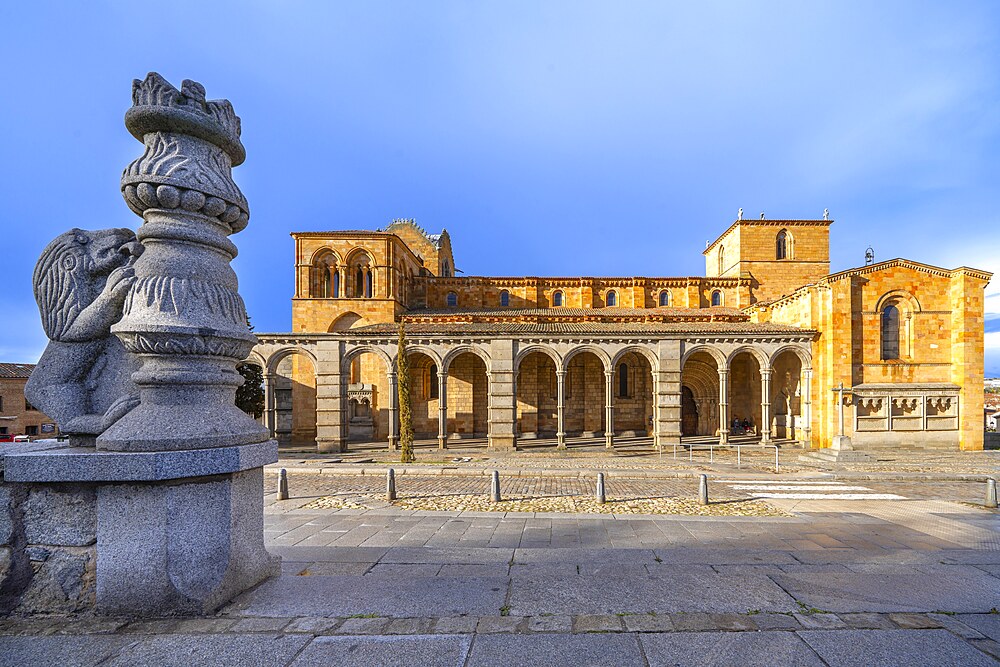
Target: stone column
x: 806, y: 401
x: 667, y: 393
x: 268, y: 405
x: 609, y: 416
x: 765, y: 406
x: 442, y: 409
x: 561, y: 409
x: 393, y: 410
x: 723, y: 406
x: 331, y: 417
x: 503, y: 402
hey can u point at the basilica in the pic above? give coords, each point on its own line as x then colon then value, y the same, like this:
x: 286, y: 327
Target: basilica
x: 755, y: 347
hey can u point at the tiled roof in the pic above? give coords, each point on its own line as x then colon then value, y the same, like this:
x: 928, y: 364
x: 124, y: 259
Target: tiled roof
x: 593, y: 314
x: 15, y: 370
x: 612, y: 328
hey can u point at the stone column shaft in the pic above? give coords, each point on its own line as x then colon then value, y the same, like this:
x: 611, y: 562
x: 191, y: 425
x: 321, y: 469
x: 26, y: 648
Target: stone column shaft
x: 723, y: 406
x: 442, y: 409
x: 609, y: 430
x: 806, y: 401
x: 561, y: 409
x: 765, y: 406
x: 393, y: 411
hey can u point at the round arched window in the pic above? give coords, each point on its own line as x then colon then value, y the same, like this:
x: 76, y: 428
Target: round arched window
x: 717, y: 298
x: 557, y: 299
x: 452, y: 299
x: 504, y: 298
x: 611, y: 299
x: 664, y: 298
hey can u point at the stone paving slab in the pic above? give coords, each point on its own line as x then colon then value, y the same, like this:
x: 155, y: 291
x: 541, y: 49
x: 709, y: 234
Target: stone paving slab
x: 552, y: 650
x: 423, y: 650
x: 966, y: 591
x: 82, y: 651
x: 682, y: 592
x: 724, y: 649
x: 237, y: 650
x: 987, y: 624
x: 396, y: 597
x: 914, y: 648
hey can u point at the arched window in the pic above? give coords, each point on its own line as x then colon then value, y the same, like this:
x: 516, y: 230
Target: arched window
x: 504, y: 299
x: 445, y: 269
x: 452, y: 299
x: 722, y: 260
x: 359, y: 283
x: 664, y: 298
x: 890, y: 332
x: 781, y: 246
x: 325, y: 277
x: 557, y: 299
x: 717, y: 298
x: 611, y: 299
x: 368, y: 284
x: 336, y: 284
x: 623, y: 381
x: 433, y: 389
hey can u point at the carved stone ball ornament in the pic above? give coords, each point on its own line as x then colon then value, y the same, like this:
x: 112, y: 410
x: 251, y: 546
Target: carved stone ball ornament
x: 183, y: 318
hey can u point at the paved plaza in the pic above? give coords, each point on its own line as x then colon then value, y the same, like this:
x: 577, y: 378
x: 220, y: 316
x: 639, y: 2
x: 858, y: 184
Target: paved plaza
x: 856, y: 571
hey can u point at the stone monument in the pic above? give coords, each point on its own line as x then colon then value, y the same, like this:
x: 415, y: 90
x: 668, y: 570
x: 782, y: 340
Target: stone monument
x: 155, y: 506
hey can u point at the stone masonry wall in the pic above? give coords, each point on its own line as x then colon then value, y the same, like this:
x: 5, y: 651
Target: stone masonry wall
x: 48, y: 560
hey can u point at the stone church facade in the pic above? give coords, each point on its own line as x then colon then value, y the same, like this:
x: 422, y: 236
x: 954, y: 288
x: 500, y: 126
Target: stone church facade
x: 761, y: 339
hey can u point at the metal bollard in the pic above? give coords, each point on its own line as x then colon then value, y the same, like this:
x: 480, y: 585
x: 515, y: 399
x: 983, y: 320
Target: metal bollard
x: 703, y: 490
x: 991, y: 492
x: 600, y: 488
x: 282, y: 484
x: 390, y: 485
x: 495, y: 487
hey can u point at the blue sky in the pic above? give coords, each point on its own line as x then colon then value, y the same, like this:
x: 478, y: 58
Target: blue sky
x: 556, y: 138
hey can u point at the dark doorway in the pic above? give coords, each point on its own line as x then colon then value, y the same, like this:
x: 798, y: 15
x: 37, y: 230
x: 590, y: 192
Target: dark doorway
x: 689, y: 413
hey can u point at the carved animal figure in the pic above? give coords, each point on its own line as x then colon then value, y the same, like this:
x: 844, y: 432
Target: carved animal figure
x: 83, y: 380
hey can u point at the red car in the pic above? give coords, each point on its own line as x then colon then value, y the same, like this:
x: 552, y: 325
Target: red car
x: 6, y: 437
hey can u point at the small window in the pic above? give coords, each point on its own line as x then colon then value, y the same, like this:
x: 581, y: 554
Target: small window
x: 717, y: 298
x: 504, y: 299
x: 31, y: 430
x: 664, y: 298
x: 3, y: 430
x: 336, y: 284
x: 445, y: 269
x: 611, y: 299
x: 29, y: 406
x: 781, y: 245
x: 557, y: 299
x: 1, y: 403
x: 890, y: 333
x: 722, y: 260
x: 368, y: 284
x: 433, y: 389
x: 623, y: 381
x: 452, y: 299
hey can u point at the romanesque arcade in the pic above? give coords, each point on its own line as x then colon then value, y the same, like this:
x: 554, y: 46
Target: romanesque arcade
x: 339, y: 392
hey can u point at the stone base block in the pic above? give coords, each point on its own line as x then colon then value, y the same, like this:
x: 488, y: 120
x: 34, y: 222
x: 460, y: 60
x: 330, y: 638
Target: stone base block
x: 181, y: 548
x: 136, y: 534
x: 842, y: 443
x: 503, y: 443
x: 831, y: 455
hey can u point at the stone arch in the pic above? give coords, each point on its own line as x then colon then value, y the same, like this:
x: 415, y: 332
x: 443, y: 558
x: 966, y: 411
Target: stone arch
x: 638, y: 349
x: 804, y: 355
x: 598, y: 352
x: 323, y: 252
x: 633, y: 392
x: 548, y: 351
x: 348, y: 320
x: 787, y: 410
x: 292, y: 385
x: 423, y: 349
x: 462, y: 349
x: 700, y: 376
x: 256, y: 358
x: 352, y: 353
x: 893, y: 297
x: 710, y: 350
x: 360, y: 265
x: 784, y: 245
x: 276, y: 357
x: 763, y: 362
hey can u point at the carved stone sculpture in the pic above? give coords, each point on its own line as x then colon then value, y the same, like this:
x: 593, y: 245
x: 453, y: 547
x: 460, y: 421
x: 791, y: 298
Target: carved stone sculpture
x: 83, y: 379
x: 183, y: 316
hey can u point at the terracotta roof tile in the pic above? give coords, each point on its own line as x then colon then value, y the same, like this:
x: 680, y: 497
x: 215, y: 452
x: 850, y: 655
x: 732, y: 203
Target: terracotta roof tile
x: 610, y: 328
x: 16, y: 370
